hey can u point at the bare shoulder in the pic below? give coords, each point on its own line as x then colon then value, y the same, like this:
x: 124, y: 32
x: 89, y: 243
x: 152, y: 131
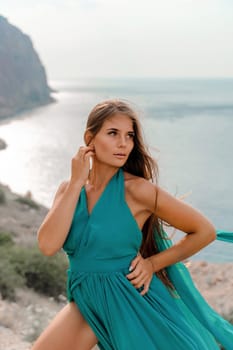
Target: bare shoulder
x: 150, y: 197
x: 141, y: 190
x: 133, y: 182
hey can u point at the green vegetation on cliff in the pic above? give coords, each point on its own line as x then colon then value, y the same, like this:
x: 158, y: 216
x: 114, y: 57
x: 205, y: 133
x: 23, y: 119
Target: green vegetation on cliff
x: 21, y: 262
x: 20, y: 266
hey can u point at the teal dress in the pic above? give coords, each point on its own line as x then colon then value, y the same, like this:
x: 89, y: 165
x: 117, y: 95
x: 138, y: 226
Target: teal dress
x: 100, y: 248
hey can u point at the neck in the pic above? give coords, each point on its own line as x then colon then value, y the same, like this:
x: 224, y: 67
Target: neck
x: 100, y: 175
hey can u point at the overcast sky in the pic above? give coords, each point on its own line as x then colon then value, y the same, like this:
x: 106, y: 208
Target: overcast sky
x: 128, y: 38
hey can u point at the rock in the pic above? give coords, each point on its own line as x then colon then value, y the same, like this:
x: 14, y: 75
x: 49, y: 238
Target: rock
x: 23, y: 82
x: 18, y: 217
x: 3, y: 144
x: 215, y: 282
x: 11, y: 341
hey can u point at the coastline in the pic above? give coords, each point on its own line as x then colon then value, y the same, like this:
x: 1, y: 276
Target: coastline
x: 18, y: 114
x: 29, y: 108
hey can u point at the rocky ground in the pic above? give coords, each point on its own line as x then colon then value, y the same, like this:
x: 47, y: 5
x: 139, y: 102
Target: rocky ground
x: 22, y: 321
x: 20, y: 215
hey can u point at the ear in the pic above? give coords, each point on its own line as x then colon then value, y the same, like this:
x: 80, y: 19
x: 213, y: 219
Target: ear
x: 88, y: 137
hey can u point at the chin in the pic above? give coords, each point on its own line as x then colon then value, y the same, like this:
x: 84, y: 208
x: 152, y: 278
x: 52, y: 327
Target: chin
x: 116, y: 164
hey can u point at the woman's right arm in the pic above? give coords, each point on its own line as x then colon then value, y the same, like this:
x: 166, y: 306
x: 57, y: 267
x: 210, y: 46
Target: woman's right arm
x: 55, y: 227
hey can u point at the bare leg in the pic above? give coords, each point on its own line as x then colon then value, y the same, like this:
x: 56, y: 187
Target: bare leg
x: 68, y: 330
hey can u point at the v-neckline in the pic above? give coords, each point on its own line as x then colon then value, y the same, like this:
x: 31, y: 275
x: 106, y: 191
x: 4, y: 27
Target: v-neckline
x: 89, y: 213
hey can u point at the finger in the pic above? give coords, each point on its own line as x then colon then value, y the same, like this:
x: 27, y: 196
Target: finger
x: 83, y: 155
x: 134, y: 262
x: 136, y: 272
x: 138, y: 282
x: 137, y: 275
x: 89, y: 154
x: 145, y: 289
x: 137, y: 267
x: 82, y: 150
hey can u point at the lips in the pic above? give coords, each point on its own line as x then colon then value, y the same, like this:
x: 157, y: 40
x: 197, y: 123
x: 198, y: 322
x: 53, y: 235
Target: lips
x: 120, y: 155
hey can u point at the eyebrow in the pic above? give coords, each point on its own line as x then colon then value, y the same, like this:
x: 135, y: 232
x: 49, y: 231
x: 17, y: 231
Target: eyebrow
x: 115, y: 129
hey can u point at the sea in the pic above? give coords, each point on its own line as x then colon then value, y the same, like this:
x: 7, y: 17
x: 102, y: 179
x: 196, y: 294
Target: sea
x: 187, y: 125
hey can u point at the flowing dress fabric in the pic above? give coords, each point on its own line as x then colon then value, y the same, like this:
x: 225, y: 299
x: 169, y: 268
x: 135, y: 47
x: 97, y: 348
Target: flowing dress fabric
x: 100, y: 248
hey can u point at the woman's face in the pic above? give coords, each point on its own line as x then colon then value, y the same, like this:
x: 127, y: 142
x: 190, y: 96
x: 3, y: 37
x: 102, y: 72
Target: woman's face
x: 115, y: 140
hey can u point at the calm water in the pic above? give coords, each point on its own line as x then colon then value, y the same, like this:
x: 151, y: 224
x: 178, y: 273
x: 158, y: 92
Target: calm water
x: 188, y: 125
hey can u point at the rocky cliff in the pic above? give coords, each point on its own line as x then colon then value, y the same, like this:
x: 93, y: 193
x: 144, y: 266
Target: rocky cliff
x: 23, y: 82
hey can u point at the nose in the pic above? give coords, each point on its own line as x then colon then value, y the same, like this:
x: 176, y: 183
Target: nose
x: 122, y: 141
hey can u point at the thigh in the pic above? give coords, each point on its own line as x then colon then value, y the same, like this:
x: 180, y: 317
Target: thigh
x: 68, y: 330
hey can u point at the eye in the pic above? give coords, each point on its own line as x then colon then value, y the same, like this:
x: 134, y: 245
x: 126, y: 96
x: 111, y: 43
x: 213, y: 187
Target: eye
x: 112, y: 132
x: 130, y: 135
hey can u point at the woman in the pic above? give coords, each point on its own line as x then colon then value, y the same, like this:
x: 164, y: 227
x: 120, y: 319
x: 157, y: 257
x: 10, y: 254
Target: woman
x: 126, y: 288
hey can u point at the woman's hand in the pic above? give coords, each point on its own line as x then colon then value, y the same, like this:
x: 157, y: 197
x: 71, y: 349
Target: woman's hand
x: 142, y: 273
x: 81, y: 164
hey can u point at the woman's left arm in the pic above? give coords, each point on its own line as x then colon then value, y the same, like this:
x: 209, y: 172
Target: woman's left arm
x: 199, y: 230
x: 199, y: 233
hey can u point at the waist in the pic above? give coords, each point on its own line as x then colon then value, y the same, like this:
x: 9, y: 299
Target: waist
x: 100, y: 265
